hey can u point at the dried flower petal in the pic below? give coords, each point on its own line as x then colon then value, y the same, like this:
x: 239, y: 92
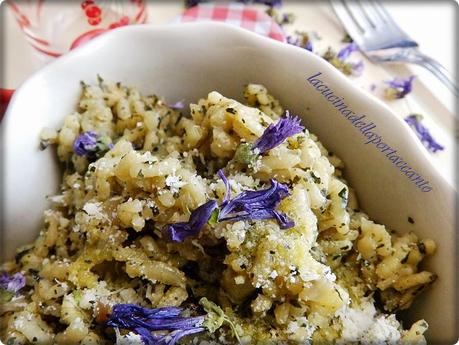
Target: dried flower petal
x: 399, y: 87
x: 357, y: 68
x: 275, y: 134
x: 347, y: 39
x: 177, y: 105
x: 227, y: 196
x: 340, y: 60
x: 301, y: 40
x: 423, y: 133
x: 143, y: 321
x: 178, y: 232
x: 346, y: 51
x: 278, y: 17
x: 130, y: 316
x: 91, y: 145
x: 12, y: 283
x: 255, y: 205
x: 85, y: 143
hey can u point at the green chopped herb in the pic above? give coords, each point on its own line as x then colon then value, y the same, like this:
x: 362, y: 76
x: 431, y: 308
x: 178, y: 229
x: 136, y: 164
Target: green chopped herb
x: 35, y: 274
x: 77, y: 295
x: 422, y: 248
x: 347, y: 39
x: 6, y: 295
x: 343, y: 194
x: 263, y: 122
x: 104, y: 143
x: 20, y: 254
x: 11, y: 341
x: 405, y: 259
x: 216, y: 317
x: 213, y: 217
x: 244, y: 154
x: 315, y: 177
x: 345, y: 66
x: 100, y: 80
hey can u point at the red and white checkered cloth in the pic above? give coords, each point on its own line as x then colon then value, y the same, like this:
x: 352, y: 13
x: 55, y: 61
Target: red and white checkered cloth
x: 236, y: 14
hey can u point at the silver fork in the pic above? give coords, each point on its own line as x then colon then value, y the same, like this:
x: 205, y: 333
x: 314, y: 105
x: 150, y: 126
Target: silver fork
x: 381, y: 39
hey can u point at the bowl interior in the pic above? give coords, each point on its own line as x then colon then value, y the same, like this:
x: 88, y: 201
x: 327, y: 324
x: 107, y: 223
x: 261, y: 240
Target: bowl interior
x: 188, y: 61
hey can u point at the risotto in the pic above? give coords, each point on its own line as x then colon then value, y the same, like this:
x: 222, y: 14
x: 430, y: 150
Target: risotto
x: 232, y: 225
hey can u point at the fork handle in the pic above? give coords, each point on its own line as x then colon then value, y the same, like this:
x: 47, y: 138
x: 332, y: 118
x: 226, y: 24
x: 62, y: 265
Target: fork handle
x: 438, y: 70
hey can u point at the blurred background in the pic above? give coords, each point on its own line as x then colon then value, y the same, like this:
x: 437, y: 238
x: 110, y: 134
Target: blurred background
x: 433, y: 24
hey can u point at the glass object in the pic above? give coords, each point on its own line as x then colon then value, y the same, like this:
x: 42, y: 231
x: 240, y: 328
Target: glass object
x: 55, y: 27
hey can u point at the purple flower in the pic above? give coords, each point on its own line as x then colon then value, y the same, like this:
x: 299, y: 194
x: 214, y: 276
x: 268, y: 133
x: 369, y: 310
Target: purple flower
x: 177, y: 105
x: 178, y: 232
x: 293, y: 40
x: 399, y: 87
x: 143, y: 321
x: 345, y: 52
x: 423, y: 133
x: 274, y: 135
x: 12, y: 283
x: 227, y: 196
x: 91, y: 145
x: 85, y: 143
x: 304, y: 43
x: 357, y: 68
x: 248, y: 205
x: 339, y: 60
x: 254, y: 205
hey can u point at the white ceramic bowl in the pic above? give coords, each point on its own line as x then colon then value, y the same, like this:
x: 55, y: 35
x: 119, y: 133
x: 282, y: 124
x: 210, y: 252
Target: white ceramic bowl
x: 186, y: 61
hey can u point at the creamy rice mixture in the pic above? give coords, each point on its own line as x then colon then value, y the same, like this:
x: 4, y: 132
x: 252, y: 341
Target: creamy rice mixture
x: 123, y: 232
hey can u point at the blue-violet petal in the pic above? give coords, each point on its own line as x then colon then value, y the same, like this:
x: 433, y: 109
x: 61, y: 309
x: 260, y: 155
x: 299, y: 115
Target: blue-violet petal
x: 345, y: 52
x: 12, y: 283
x: 275, y: 134
x: 178, y: 232
x: 423, y: 133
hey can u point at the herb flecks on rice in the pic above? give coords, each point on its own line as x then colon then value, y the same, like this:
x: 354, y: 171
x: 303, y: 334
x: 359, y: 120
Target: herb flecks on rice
x: 273, y: 250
